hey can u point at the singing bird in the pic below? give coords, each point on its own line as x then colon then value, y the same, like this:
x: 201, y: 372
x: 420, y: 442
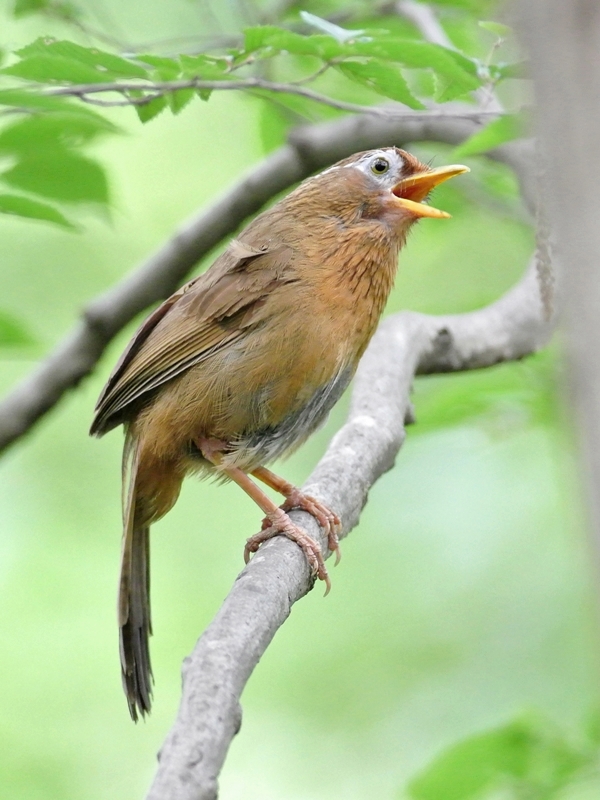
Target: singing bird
x: 244, y: 362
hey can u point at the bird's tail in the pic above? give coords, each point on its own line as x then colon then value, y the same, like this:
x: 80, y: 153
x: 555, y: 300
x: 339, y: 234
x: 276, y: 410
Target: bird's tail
x: 148, y: 493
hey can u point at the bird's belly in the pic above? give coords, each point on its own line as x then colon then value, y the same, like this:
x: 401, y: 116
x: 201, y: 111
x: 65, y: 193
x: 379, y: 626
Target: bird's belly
x: 261, y: 399
x: 271, y: 441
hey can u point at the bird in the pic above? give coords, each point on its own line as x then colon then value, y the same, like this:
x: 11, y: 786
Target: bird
x: 241, y: 364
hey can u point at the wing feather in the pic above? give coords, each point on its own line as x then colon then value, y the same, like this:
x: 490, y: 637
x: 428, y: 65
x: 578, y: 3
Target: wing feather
x: 206, y: 314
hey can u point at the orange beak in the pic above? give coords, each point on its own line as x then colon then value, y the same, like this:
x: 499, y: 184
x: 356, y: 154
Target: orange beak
x: 410, y: 191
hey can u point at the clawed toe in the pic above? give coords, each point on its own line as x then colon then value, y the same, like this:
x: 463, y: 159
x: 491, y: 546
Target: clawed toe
x: 327, y: 519
x: 279, y: 524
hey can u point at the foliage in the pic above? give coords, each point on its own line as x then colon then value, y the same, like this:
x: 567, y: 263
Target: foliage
x: 527, y: 758
x: 45, y: 85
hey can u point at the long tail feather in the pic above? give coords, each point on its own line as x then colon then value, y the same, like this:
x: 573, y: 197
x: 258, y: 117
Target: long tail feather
x: 135, y: 626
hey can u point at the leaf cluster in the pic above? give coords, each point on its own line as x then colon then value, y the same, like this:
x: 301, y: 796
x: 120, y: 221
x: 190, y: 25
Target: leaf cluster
x: 46, y: 90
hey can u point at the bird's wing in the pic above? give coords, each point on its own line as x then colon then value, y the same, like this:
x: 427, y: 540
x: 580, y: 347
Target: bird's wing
x: 203, y: 316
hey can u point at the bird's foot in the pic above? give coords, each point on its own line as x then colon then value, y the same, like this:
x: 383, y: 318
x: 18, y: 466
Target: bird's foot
x: 280, y: 524
x: 327, y: 519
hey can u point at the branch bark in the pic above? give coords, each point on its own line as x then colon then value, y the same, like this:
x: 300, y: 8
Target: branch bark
x: 309, y: 149
x: 365, y: 447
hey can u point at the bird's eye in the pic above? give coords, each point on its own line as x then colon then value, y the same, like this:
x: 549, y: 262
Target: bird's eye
x: 380, y: 166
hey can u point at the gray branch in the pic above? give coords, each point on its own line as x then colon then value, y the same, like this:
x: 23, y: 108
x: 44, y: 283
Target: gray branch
x: 405, y: 344
x: 309, y: 149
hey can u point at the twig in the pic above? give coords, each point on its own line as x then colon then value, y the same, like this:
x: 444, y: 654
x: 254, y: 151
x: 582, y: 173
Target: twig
x: 310, y: 149
x: 261, y: 598
x: 160, y: 88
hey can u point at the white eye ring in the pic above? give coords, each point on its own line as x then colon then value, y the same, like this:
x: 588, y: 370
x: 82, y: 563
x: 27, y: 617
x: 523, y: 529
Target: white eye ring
x: 380, y: 166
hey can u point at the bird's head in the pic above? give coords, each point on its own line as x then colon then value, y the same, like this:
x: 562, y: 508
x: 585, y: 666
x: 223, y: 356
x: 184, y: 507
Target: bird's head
x: 388, y: 184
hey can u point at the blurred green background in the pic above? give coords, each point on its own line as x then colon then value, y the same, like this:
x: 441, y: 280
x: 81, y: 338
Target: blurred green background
x: 465, y: 597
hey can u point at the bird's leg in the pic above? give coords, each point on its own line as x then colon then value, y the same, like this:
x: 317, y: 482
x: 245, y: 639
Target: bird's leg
x: 279, y: 521
x: 294, y: 498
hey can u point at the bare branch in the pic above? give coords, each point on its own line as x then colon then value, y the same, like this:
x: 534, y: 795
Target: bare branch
x: 365, y: 447
x: 310, y: 148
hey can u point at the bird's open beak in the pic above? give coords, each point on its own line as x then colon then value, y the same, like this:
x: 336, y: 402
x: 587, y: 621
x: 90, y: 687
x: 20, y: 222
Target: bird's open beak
x: 412, y: 190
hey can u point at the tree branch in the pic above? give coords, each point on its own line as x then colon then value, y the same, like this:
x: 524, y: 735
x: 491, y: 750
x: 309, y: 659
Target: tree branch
x: 309, y: 149
x: 158, y: 89
x: 365, y: 447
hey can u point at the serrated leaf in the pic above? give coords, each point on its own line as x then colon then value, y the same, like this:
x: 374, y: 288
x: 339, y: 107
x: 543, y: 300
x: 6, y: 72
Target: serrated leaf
x: 497, y: 28
x: 148, y: 111
x: 104, y: 63
x: 23, y: 7
x: 385, y: 79
x: 61, y: 175
x: 13, y: 332
x: 339, y: 34
x: 32, y: 209
x: 261, y: 35
x: 503, y: 129
x: 62, y: 129
x: 469, y: 65
x: 50, y: 67
x: 421, y: 55
x: 178, y: 100
x: 66, y: 62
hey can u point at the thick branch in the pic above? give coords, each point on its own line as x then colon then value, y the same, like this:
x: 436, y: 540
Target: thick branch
x: 309, y: 149
x: 365, y: 447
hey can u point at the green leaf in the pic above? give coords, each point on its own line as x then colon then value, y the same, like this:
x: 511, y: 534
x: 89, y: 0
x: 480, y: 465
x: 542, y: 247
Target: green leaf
x: 148, y: 111
x: 204, y: 67
x: 527, y: 754
x: 66, y: 62
x: 28, y: 99
x: 463, y: 771
x: 497, y: 28
x: 503, y: 129
x: 63, y: 128
x: 279, y: 39
x: 166, y: 69
x: 24, y: 7
x: 385, y: 79
x: 61, y: 175
x: 422, y: 55
x: 92, y: 56
x: 49, y: 67
x: 178, y: 100
x: 339, y: 34
x: 32, y: 209
x: 13, y: 332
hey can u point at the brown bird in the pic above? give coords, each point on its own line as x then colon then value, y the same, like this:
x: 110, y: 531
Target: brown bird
x: 244, y: 362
